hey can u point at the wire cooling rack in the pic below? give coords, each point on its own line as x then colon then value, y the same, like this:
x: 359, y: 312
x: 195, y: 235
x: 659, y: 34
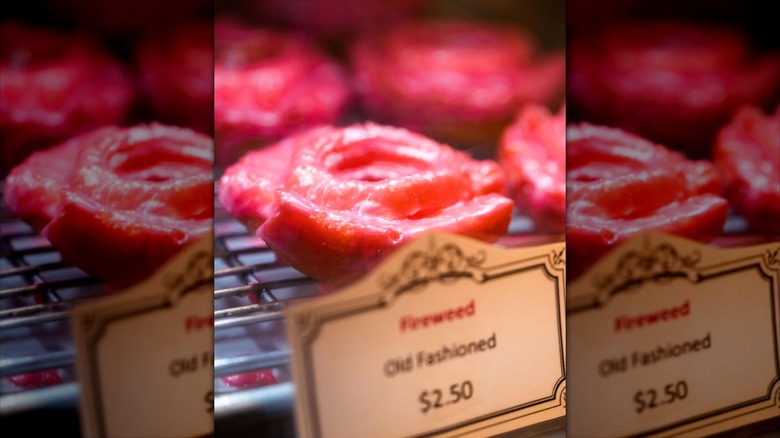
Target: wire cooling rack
x: 252, y: 289
x: 37, y: 364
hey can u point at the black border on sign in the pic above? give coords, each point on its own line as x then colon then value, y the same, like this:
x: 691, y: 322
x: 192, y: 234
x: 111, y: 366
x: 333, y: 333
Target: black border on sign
x: 686, y: 267
x: 181, y: 285
x: 449, y: 274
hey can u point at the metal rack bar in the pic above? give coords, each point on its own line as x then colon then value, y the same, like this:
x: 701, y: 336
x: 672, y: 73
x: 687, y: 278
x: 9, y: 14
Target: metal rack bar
x: 36, y: 291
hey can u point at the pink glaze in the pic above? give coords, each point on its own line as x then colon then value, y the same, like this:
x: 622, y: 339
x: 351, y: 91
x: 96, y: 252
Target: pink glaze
x: 533, y: 152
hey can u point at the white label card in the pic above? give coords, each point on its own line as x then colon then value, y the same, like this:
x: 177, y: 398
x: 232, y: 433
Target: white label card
x: 449, y: 336
x: 669, y: 337
x: 145, y: 355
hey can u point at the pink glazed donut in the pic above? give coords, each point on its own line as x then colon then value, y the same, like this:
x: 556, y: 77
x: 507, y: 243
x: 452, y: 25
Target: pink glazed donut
x: 268, y: 84
x: 457, y: 81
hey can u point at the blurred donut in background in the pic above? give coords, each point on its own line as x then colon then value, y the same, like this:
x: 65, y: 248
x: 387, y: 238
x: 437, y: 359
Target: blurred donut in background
x: 55, y: 84
x: 268, y: 84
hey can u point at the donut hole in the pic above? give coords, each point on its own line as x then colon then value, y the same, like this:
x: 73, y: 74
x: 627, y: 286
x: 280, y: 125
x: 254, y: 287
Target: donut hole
x: 243, y: 52
x: 21, y: 48
x: 676, y: 46
x: 32, y: 55
x: 375, y: 160
x: 461, y: 40
x: 461, y: 47
x: 156, y: 161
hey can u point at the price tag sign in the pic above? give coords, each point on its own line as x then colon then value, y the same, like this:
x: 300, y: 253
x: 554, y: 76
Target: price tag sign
x: 449, y: 336
x: 674, y: 338
x: 145, y: 355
